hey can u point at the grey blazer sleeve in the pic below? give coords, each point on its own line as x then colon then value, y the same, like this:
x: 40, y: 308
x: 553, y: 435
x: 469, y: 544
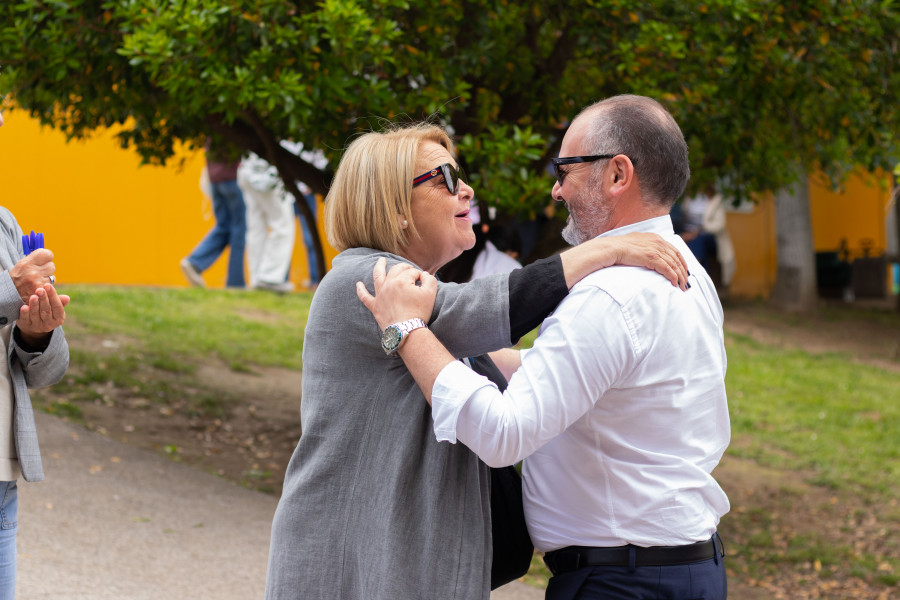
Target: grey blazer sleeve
x: 44, y: 368
x: 10, y: 301
x: 39, y: 368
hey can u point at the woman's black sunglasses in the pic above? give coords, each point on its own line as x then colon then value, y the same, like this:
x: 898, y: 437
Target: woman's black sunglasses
x: 451, y: 177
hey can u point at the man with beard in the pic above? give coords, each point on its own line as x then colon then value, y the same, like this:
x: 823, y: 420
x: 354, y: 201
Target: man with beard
x: 620, y: 406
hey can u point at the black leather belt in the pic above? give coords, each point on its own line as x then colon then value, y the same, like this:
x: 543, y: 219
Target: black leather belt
x: 571, y: 558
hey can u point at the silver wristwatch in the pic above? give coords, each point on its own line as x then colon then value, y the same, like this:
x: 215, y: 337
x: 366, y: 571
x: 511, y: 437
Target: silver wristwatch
x: 394, y: 334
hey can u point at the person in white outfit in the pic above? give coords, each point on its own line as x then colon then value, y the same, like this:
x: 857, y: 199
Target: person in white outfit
x: 714, y: 223
x: 270, y: 225
x: 490, y: 259
x: 704, y: 220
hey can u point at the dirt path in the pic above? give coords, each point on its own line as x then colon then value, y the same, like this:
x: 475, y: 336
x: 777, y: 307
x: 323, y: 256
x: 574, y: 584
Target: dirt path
x: 871, y: 337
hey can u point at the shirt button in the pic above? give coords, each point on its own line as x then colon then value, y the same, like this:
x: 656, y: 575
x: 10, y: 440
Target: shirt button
x: 3, y: 320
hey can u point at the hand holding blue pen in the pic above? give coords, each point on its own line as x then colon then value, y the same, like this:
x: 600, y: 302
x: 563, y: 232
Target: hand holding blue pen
x: 32, y: 242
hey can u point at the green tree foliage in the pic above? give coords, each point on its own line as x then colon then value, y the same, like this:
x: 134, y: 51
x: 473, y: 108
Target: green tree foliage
x: 763, y: 90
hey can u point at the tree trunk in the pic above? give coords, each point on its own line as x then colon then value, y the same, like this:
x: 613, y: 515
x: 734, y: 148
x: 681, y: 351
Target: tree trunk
x: 795, y: 280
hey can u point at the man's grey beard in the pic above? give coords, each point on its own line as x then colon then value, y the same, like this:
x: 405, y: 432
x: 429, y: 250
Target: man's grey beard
x: 593, y: 218
x: 571, y: 233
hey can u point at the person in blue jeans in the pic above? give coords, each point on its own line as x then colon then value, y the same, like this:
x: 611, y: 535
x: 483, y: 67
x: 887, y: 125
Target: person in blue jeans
x: 230, y: 229
x: 36, y: 355
x: 9, y: 510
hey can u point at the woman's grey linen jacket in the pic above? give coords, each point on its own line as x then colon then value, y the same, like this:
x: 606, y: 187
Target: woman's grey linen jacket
x: 27, y: 370
x: 373, y: 506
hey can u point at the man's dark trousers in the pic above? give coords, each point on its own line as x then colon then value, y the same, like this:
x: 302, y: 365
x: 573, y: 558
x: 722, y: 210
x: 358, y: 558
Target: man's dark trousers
x: 704, y: 580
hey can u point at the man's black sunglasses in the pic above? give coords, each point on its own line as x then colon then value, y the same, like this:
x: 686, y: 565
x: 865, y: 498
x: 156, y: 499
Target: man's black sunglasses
x: 451, y: 177
x: 570, y: 160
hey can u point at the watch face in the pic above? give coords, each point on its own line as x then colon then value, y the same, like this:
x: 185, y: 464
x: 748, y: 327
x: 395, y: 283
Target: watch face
x: 390, y: 339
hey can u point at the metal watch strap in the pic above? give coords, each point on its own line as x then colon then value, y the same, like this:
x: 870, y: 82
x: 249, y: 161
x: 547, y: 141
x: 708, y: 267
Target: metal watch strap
x: 407, y: 326
x: 402, y: 329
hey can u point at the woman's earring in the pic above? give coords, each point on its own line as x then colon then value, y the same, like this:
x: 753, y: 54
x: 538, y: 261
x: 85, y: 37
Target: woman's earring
x: 405, y: 223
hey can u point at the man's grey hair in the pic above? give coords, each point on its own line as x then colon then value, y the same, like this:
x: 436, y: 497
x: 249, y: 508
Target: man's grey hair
x: 643, y: 130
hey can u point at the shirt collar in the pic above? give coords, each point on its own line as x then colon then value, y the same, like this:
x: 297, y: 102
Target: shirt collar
x: 659, y: 225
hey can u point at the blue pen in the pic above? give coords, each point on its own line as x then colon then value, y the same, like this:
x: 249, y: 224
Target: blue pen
x: 32, y: 242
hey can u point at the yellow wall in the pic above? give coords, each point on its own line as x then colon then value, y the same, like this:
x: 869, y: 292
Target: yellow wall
x: 752, y: 232
x: 857, y: 214
x: 109, y: 220
x: 106, y: 218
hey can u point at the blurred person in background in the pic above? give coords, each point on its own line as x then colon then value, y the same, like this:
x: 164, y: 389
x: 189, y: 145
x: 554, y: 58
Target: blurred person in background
x: 230, y: 230
x: 701, y: 221
x: 270, y: 225
x: 484, y: 257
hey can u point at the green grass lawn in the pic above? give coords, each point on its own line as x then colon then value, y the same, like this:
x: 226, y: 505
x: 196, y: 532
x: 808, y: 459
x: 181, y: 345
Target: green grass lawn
x: 821, y: 413
x: 123, y: 333
x: 239, y: 327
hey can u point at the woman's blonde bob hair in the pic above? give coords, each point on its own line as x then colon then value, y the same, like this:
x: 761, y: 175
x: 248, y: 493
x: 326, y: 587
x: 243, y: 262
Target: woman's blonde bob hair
x: 372, y: 189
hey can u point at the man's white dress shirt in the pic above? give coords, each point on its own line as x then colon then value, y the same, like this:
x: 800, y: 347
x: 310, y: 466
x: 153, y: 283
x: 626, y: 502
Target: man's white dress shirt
x: 619, y: 407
